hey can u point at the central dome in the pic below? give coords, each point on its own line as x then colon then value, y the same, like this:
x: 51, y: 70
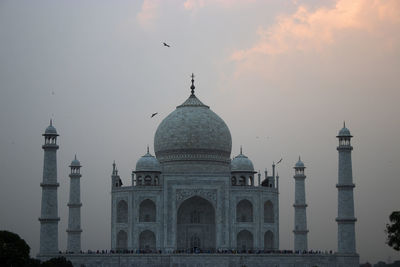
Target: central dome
x: 193, y: 132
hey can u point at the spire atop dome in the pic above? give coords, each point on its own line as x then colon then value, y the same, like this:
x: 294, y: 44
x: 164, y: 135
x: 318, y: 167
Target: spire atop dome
x: 299, y: 164
x: 241, y: 150
x: 192, y: 87
x: 344, y: 132
x: 148, y: 149
x: 75, y: 163
x: 50, y: 130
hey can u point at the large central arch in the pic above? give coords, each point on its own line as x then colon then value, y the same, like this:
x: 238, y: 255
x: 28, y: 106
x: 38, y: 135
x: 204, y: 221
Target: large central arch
x: 196, y: 224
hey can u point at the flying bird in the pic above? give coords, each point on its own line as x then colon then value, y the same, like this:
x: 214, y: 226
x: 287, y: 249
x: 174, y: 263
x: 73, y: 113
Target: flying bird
x: 279, y: 161
x: 152, y: 115
x: 165, y: 44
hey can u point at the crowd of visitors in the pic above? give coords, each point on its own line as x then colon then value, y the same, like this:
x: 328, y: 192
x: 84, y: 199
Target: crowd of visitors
x: 202, y: 251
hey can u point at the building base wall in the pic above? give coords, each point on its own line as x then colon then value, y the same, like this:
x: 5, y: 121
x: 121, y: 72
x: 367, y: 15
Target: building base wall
x: 209, y: 260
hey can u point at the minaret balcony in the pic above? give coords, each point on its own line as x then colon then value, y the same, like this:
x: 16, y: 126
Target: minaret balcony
x: 346, y: 220
x: 300, y: 231
x: 49, y: 219
x: 49, y: 185
x: 300, y: 205
x: 50, y: 146
x: 344, y: 186
x: 74, y: 231
x: 344, y: 148
x: 74, y: 205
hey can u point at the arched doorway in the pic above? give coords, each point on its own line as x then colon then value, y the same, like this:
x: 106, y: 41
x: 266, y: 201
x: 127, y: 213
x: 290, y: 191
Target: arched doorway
x: 268, y: 240
x: 122, y: 212
x: 196, y: 224
x: 122, y: 240
x: 268, y: 212
x: 147, y: 211
x: 147, y: 240
x: 244, y: 211
x: 244, y: 240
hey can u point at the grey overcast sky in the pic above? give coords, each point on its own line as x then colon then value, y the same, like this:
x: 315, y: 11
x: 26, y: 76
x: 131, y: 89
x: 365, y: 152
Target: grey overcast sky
x: 283, y: 74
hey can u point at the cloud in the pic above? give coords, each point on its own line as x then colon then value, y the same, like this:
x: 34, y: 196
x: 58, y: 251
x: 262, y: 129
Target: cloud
x: 148, y: 13
x: 194, y: 5
x: 314, y: 30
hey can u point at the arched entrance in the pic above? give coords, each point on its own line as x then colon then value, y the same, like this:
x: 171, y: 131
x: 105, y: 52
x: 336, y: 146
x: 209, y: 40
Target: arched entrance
x: 122, y: 240
x: 268, y: 240
x: 244, y: 240
x: 196, y: 224
x: 147, y: 240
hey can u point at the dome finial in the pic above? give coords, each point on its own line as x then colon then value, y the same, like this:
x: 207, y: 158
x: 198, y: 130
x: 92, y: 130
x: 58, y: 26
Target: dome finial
x: 148, y: 149
x: 344, y: 124
x: 75, y: 157
x: 241, y: 150
x: 192, y: 87
x: 299, y: 158
x: 51, y: 122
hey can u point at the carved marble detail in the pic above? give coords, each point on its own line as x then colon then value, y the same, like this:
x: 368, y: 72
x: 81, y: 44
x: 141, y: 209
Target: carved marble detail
x: 183, y: 194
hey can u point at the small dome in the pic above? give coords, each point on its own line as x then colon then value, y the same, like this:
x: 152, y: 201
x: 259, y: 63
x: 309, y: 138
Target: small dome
x: 50, y: 129
x: 344, y: 131
x: 241, y: 163
x: 148, y: 163
x: 75, y: 163
x: 299, y: 164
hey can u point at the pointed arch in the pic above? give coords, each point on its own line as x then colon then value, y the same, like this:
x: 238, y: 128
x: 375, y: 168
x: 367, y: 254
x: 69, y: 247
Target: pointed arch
x: 244, y: 211
x: 268, y: 212
x: 148, y: 180
x: 242, y: 180
x: 196, y: 224
x: 244, y: 240
x: 147, y: 211
x: 233, y: 180
x: 122, y: 212
x: 147, y: 240
x: 122, y: 240
x: 268, y: 240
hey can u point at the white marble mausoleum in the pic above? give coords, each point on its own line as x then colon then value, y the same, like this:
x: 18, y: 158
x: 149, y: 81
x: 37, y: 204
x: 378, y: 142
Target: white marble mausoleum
x: 191, y: 204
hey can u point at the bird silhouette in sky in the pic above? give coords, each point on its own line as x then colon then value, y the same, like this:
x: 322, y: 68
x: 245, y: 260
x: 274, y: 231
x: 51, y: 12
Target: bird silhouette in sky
x: 165, y: 44
x: 152, y: 115
x: 279, y: 161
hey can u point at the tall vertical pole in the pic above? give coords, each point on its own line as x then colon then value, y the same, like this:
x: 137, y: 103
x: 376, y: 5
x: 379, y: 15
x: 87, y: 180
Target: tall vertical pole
x: 345, y: 220
x: 300, y: 216
x: 74, y: 205
x: 49, y: 208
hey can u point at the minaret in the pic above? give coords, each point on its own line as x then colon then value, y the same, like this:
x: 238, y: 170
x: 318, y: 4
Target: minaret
x: 74, y: 216
x: 115, y: 179
x: 49, y: 208
x: 300, y: 216
x: 345, y: 220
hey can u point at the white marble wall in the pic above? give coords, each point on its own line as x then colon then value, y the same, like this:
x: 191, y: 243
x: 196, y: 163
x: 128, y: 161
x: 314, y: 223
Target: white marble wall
x: 74, y: 214
x: 211, y: 260
x: 49, y: 206
x: 178, y: 187
x: 346, y: 220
